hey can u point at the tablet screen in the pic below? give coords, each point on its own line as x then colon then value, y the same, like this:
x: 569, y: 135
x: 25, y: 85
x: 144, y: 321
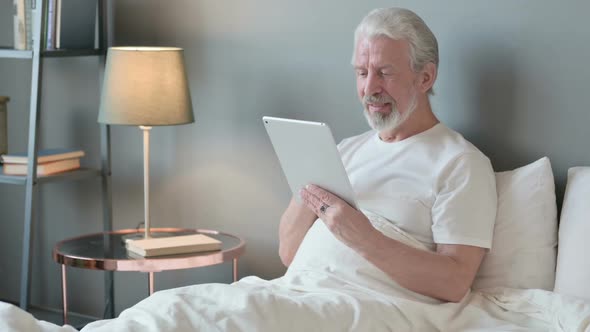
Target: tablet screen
x: 308, y: 155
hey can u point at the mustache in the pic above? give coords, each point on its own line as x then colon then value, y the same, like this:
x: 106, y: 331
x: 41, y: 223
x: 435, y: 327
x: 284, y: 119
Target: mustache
x: 377, y: 99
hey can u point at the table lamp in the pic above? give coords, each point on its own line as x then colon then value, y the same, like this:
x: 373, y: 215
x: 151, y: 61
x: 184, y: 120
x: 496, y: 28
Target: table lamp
x: 145, y: 87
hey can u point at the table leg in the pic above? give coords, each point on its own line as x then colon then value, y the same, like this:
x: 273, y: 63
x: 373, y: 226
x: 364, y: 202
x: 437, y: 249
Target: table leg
x: 151, y: 282
x: 64, y: 293
x: 109, y: 286
x: 235, y: 269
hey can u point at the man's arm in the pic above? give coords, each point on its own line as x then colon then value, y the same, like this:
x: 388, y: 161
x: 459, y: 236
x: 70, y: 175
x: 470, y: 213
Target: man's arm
x: 446, y: 274
x: 295, y: 222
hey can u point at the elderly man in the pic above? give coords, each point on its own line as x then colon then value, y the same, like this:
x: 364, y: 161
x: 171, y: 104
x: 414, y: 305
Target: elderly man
x: 410, y: 169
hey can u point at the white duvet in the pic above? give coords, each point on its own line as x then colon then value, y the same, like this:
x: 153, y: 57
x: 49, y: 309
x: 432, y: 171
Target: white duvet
x: 330, y: 288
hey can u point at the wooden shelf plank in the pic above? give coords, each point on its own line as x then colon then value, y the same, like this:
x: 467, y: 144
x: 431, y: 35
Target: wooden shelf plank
x: 82, y: 173
x: 18, y: 54
x: 15, y: 54
x: 11, y: 179
x: 70, y: 53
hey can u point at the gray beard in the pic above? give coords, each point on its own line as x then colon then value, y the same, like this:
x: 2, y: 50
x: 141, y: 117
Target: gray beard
x: 390, y: 121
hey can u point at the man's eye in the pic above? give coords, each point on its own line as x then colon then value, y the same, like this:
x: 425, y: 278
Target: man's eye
x: 361, y: 73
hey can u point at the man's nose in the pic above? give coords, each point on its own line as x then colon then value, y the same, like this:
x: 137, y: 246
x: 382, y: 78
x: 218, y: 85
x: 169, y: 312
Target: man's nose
x: 372, y: 85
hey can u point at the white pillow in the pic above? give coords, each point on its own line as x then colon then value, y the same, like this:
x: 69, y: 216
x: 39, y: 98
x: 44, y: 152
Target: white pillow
x: 523, y: 250
x: 573, y: 267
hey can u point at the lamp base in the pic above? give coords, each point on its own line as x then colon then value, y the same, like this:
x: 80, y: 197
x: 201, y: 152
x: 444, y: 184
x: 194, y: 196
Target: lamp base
x: 140, y: 236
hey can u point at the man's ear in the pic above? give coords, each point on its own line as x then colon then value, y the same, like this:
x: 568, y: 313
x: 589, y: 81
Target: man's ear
x: 427, y: 77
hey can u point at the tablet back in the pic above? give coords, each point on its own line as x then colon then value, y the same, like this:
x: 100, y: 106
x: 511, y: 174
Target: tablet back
x: 308, y: 155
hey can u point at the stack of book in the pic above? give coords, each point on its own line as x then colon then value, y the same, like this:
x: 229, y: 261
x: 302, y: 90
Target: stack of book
x: 49, y: 162
x: 172, y: 245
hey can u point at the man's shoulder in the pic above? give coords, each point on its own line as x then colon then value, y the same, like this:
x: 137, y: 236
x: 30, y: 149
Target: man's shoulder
x: 454, y: 144
x: 447, y: 149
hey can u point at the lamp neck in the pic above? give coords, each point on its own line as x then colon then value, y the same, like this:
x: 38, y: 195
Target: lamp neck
x: 146, y: 178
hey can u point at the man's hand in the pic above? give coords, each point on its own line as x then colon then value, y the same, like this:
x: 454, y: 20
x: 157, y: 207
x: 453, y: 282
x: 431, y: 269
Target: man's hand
x: 346, y: 223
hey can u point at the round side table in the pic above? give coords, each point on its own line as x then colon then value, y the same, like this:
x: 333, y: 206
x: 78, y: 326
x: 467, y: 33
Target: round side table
x: 106, y: 251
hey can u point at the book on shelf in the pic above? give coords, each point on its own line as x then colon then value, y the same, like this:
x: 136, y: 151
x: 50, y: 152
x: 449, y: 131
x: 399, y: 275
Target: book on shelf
x: 173, y: 245
x: 69, y: 24
x: 24, y: 24
x: 48, y: 168
x: 49, y: 22
x: 43, y: 156
x: 75, y: 24
x: 19, y: 25
x: 29, y: 23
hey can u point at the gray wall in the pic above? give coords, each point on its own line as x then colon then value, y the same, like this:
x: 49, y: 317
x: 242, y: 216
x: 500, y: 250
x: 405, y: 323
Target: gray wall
x: 512, y: 78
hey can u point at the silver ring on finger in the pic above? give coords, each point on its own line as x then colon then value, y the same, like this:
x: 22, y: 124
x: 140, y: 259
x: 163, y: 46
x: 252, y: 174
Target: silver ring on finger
x: 324, y: 207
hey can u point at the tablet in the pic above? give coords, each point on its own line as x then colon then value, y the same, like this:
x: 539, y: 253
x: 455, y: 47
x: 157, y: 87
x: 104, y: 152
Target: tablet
x: 308, y: 155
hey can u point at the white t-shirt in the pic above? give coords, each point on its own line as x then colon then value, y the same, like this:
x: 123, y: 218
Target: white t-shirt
x: 435, y: 185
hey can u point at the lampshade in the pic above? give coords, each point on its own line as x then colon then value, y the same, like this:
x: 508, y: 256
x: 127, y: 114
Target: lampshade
x: 145, y: 86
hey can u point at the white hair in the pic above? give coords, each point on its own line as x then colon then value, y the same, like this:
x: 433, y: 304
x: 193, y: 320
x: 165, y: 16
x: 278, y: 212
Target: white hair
x: 400, y: 24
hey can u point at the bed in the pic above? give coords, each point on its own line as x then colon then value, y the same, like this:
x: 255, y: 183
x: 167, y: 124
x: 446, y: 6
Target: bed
x: 523, y: 283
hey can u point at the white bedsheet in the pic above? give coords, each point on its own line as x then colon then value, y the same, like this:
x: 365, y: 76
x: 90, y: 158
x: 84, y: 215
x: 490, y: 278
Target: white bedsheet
x: 319, y: 299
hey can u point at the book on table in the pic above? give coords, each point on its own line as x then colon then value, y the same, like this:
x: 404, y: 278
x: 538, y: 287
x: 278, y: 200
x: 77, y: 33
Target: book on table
x: 43, y: 156
x: 172, y: 245
x: 52, y: 167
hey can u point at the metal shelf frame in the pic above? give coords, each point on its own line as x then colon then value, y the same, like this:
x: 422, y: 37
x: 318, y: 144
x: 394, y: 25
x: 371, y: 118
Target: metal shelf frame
x: 31, y: 181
